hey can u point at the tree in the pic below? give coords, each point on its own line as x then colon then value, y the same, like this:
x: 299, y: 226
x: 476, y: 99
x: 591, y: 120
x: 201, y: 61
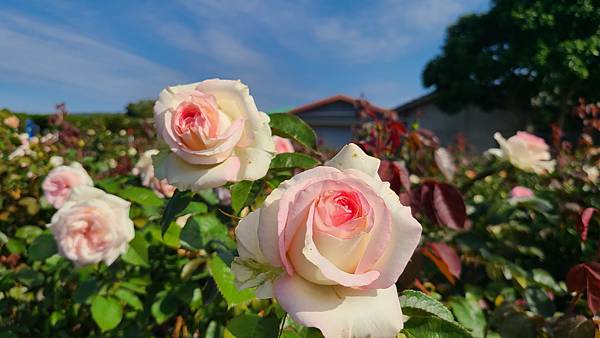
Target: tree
x: 141, y: 108
x: 536, y: 57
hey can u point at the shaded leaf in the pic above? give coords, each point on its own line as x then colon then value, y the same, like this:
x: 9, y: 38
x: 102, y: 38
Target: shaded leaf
x: 177, y: 203
x: 445, y: 258
x: 141, y: 196
x: 433, y: 327
x: 586, y: 277
x: 42, y: 247
x: 469, y: 313
x: 137, y: 253
x: 240, y: 193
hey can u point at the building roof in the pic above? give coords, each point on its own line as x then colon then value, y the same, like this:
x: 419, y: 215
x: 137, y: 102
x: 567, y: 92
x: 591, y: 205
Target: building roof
x: 361, y: 104
x: 411, y: 105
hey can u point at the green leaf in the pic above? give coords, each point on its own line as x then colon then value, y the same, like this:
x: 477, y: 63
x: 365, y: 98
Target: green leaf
x: 85, y: 289
x: 171, y: 236
x: 287, y: 161
x: 212, y: 229
x: 141, y: 196
x: 240, y: 193
x: 417, y: 304
x: 539, y: 302
x: 30, y: 277
x: 194, y: 208
x: 177, y: 203
x: 130, y: 298
x: 469, y: 313
x: 292, y: 127
x: 252, y: 326
x: 191, y: 235
x: 16, y: 246
x: 42, y: 247
x: 209, y: 196
x: 225, y: 282
x: 137, y: 253
x: 28, y: 232
x: 107, y: 312
x: 433, y: 327
x: 164, y: 307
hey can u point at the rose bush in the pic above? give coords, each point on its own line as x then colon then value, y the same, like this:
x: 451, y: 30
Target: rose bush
x: 489, y: 263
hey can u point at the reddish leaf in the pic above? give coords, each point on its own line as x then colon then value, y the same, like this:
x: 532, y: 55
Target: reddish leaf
x: 442, y: 203
x: 584, y: 222
x: 445, y: 258
x: 586, y: 276
x: 449, y: 206
x: 396, y: 174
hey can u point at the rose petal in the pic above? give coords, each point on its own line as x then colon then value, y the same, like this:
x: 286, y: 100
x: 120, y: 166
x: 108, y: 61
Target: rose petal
x: 352, y: 157
x: 341, y: 312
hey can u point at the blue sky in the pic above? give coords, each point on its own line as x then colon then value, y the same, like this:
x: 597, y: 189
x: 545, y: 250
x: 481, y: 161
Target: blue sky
x: 100, y: 55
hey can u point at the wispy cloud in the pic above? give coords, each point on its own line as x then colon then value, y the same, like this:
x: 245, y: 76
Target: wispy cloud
x: 36, y: 51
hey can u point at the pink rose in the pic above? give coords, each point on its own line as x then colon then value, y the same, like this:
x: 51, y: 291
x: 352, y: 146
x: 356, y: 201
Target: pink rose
x: 329, y: 245
x: 283, y: 145
x: 520, y: 192
x: 145, y: 170
x: 526, y: 152
x: 12, y: 122
x: 215, y: 134
x: 61, y: 180
x: 92, y: 226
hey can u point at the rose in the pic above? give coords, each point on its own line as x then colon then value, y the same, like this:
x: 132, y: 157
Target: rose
x: 283, y: 145
x: 61, y: 180
x: 215, y: 134
x: 92, y: 226
x: 145, y: 170
x: 520, y: 192
x: 12, y: 122
x: 329, y: 245
x: 526, y: 152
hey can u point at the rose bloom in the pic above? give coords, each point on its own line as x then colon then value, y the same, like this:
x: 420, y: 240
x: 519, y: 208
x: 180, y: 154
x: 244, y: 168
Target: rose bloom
x: 329, y: 245
x: 282, y: 145
x: 92, y: 226
x: 215, y: 134
x: 445, y: 162
x: 61, y: 180
x: 520, y: 192
x: 526, y: 152
x: 12, y: 122
x: 145, y: 170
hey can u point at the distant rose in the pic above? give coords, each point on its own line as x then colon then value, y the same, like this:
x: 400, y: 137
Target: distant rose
x: 520, y: 192
x: 329, y: 245
x: 592, y: 172
x: 92, y: 226
x: 526, y: 152
x: 61, y: 180
x: 283, y: 145
x: 145, y: 170
x: 12, y: 122
x: 215, y: 134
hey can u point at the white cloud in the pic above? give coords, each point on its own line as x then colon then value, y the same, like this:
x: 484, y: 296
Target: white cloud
x: 35, y: 51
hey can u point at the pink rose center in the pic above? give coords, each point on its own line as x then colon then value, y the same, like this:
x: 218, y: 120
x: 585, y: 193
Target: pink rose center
x: 196, y: 122
x: 336, y: 208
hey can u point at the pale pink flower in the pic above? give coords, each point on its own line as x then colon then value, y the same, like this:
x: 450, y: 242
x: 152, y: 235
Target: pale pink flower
x: 61, y: 180
x: 92, y: 226
x: 215, y: 135
x: 283, y: 145
x: 12, y: 122
x: 329, y: 245
x: 520, y: 192
x: 145, y: 170
x: 526, y: 152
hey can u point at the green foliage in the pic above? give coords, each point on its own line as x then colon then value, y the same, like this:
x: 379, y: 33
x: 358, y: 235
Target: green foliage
x: 141, y: 108
x: 225, y: 282
x: 521, y: 56
x: 107, y: 312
